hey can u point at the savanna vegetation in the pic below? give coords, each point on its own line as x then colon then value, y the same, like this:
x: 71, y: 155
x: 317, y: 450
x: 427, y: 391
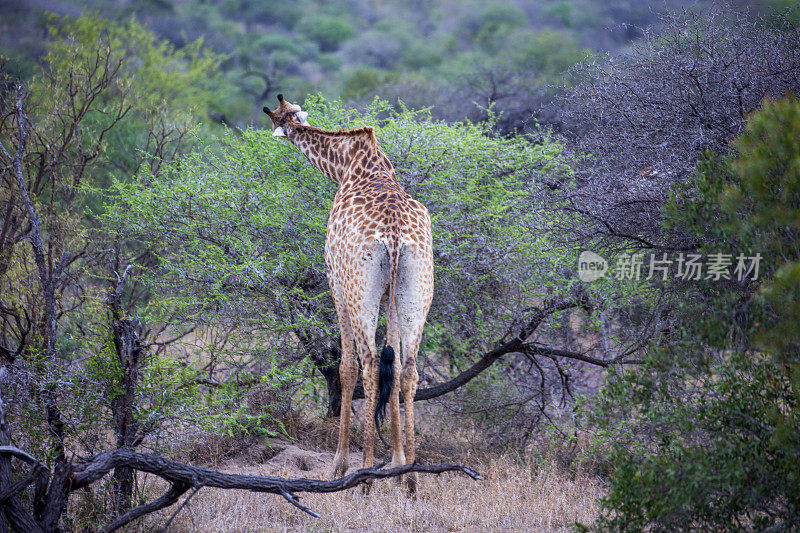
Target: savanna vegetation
x: 163, y: 297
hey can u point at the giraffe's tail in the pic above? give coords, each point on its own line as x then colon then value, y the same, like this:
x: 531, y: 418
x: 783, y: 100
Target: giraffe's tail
x: 385, y: 380
x: 386, y: 367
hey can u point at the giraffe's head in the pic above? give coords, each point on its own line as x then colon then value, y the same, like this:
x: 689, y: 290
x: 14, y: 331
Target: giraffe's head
x: 284, y: 116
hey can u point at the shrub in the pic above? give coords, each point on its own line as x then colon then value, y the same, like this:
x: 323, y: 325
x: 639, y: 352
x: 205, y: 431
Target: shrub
x: 327, y: 31
x: 715, y: 445
x: 645, y: 118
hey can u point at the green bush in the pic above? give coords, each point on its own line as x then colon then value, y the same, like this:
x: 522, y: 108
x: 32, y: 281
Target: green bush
x: 423, y: 55
x: 239, y: 229
x: 363, y: 81
x: 327, y: 31
x: 482, y: 25
x: 716, y: 414
x: 498, y: 21
x: 548, y: 53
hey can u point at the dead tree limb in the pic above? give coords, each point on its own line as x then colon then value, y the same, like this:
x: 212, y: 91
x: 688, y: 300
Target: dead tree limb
x: 90, y: 470
x: 176, y: 490
x: 182, y: 477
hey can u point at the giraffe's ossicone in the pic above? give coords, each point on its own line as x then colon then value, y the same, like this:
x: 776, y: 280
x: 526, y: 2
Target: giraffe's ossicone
x: 378, y: 251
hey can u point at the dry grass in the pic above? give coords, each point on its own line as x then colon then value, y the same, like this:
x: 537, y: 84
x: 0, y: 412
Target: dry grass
x: 544, y: 491
x: 517, y: 494
x: 512, y: 497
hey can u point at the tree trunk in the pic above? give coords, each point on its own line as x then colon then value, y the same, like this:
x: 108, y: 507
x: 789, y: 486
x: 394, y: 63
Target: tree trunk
x: 127, y: 334
x: 334, y: 386
x: 326, y: 360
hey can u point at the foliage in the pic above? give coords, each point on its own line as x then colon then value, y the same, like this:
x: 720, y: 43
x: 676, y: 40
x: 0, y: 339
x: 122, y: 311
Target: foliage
x: 363, y: 82
x: 161, y: 91
x: 513, y: 71
x: 328, y: 32
x: 405, y: 41
x: 250, y: 220
x: 649, y: 115
x: 716, y: 414
x: 108, y: 100
x: 764, y: 209
x: 239, y: 232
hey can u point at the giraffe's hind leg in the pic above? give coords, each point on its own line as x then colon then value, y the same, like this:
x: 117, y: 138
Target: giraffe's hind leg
x: 414, y: 292
x: 364, y: 326
x: 393, y: 340
x: 348, y: 374
x: 363, y: 304
x: 369, y: 377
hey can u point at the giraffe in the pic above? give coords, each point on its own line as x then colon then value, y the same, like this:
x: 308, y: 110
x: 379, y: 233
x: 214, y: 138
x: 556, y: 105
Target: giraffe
x: 378, y: 252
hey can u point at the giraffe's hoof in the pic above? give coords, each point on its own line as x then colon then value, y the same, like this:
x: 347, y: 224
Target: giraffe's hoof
x: 411, y: 483
x: 366, y: 487
x: 338, y: 469
x: 397, y: 480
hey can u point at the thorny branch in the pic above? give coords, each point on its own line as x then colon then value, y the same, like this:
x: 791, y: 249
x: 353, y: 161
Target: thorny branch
x: 520, y: 343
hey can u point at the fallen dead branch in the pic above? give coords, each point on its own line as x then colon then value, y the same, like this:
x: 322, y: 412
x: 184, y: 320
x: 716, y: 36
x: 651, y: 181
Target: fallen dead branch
x: 181, y: 478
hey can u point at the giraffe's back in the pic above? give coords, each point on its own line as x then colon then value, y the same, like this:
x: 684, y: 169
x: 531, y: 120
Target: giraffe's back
x: 371, y: 205
x: 373, y: 220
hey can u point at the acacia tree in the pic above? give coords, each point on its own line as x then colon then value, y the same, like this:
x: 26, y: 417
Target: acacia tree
x: 648, y: 115
x: 71, y: 338
x: 239, y: 232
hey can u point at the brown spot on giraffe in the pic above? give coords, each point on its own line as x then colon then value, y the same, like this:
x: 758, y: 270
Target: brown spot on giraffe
x: 378, y: 251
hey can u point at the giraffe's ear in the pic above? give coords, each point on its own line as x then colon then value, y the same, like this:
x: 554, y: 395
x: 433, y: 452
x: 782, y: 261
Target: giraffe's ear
x: 278, y: 132
x: 302, y: 116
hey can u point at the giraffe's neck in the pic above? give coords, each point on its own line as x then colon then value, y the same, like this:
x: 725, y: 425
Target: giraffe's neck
x: 333, y: 153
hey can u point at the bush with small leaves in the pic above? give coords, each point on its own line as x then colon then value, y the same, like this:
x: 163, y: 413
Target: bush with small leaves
x: 706, y: 431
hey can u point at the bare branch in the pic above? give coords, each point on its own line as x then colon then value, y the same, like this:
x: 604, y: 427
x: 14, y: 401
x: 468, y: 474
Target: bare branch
x: 19, y: 454
x: 20, y: 485
x: 517, y: 345
x: 168, y: 498
x: 178, y: 510
x: 294, y: 500
x: 577, y: 356
x: 182, y: 477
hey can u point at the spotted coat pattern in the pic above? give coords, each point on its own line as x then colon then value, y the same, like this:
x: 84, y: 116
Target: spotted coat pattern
x: 378, y: 251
